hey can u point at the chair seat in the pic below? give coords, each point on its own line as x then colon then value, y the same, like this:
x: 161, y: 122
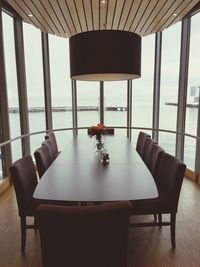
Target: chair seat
x: 160, y: 204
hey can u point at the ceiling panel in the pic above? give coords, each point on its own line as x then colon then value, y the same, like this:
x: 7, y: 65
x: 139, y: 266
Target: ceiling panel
x: 69, y: 17
x: 111, y: 11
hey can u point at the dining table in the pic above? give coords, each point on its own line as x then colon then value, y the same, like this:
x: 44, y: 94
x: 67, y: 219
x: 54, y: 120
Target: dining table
x: 79, y: 174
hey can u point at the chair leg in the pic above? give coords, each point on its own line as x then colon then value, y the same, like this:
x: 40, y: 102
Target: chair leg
x: 172, y: 229
x: 23, y: 234
x: 35, y: 224
x: 155, y: 217
x: 160, y: 219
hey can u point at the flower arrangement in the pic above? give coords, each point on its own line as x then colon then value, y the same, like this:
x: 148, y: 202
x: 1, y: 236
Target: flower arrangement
x: 97, y: 131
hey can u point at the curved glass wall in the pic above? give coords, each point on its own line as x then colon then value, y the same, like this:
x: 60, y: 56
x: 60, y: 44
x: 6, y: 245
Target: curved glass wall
x: 115, y: 93
x: 35, y: 83
x: 192, y: 92
x: 169, y: 85
x: 60, y: 86
x: 11, y: 81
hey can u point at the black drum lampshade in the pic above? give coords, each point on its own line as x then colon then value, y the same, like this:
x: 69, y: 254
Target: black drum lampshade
x: 105, y: 55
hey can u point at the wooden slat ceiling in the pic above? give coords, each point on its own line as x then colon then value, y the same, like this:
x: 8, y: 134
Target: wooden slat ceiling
x: 69, y: 17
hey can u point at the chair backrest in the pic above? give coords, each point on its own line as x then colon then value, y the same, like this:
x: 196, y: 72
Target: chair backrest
x: 43, y: 159
x: 140, y: 142
x: 148, y: 142
x: 48, y: 142
x: 50, y: 135
x: 154, y: 158
x: 24, y: 179
x: 169, y: 179
x: 84, y: 236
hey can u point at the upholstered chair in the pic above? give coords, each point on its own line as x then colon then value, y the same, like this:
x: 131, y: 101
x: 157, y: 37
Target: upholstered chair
x: 51, y: 135
x: 43, y: 159
x: 169, y: 179
x: 24, y: 179
x: 140, y: 142
x: 84, y: 236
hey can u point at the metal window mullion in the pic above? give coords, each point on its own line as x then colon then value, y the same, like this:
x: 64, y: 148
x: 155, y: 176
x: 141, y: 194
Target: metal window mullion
x: 129, y: 109
x: 156, y: 91
x: 47, y: 80
x: 197, y: 155
x: 4, y: 115
x: 21, y: 81
x: 74, y: 108
x: 101, y: 104
x: 183, y: 81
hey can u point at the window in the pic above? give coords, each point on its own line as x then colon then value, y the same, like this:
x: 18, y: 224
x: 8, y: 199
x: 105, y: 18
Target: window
x: 169, y: 85
x: 115, y: 103
x: 143, y: 88
x: 192, y: 92
x: 60, y: 86
x: 12, y: 88
x: 88, y: 103
x: 34, y: 80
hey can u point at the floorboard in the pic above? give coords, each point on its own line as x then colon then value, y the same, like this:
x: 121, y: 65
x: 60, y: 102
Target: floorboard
x: 148, y: 247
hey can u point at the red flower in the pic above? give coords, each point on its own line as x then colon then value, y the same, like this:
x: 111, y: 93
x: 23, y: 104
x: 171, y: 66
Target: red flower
x: 97, y: 130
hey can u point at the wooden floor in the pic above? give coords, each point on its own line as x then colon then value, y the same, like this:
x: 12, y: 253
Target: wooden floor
x: 148, y: 247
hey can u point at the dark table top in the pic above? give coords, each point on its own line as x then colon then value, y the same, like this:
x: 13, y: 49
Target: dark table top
x: 79, y: 175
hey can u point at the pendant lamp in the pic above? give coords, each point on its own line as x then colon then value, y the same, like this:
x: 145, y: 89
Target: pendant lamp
x: 105, y: 55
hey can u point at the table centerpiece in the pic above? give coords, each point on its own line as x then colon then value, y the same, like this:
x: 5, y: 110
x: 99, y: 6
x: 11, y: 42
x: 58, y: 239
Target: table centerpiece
x: 98, y: 132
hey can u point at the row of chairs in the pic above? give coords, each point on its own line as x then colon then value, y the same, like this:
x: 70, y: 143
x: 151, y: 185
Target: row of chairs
x: 24, y: 178
x: 95, y: 235
x: 149, y: 151
x: 101, y: 230
x: 90, y: 235
x: 168, y: 172
x: 47, y: 153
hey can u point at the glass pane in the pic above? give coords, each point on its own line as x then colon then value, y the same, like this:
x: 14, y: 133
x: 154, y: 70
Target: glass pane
x: 35, y: 83
x: 143, y: 88
x: 115, y: 103
x: 11, y: 81
x: 192, y: 93
x: 87, y: 103
x: 60, y: 86
x: 169, y: 86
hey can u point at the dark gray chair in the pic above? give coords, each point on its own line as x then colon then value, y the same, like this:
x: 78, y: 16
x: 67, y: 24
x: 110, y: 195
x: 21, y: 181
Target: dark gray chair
x: 169, y: 179
x: 24, y: 179
x: 84, y: 236
x: 51, y: 136
x: 48, y: 142
x: 43, y: 159
x: 140, y: 142
x: 154, y: 158
x: 148, y: 142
